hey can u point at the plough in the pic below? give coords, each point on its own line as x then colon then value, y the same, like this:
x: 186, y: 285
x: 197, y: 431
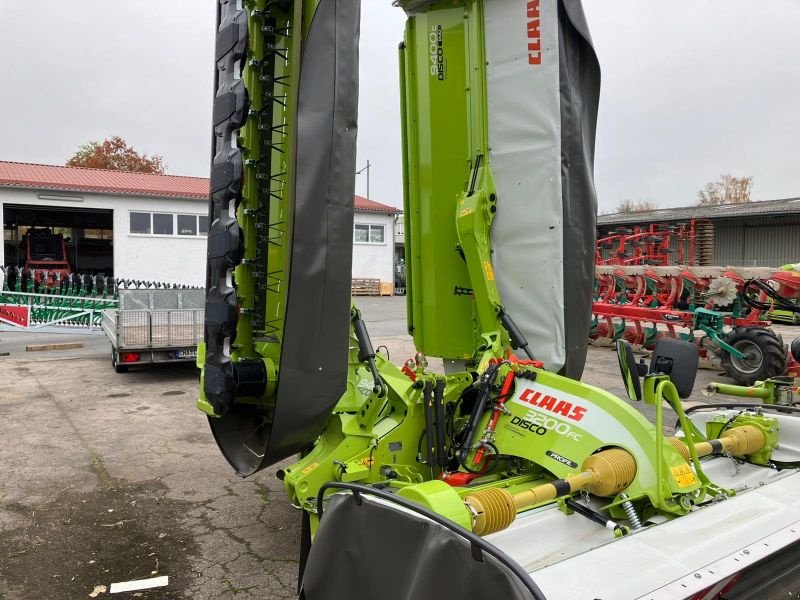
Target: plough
x: 725, y: 311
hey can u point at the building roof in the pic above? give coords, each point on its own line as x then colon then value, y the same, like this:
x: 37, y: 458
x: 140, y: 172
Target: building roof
x: 366, y: 205
x: 763, y: 208
x: 79, y: 179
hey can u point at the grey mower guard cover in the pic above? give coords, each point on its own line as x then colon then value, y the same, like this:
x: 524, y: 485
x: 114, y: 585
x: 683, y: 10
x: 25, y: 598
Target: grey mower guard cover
x: 542, y: 121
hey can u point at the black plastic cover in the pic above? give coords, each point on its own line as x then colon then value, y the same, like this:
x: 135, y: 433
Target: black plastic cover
x: 230, y: 105
x: 678, y: 359
x: 232, y: 37
x: 314, y: 358
x: 579, y: 74
x: 364, y: 550
x: 629, y: 370
x: 224, y: 236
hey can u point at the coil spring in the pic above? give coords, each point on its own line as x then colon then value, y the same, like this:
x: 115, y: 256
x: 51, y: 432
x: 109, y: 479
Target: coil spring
x: 704, y: 244
x: 630, y: 511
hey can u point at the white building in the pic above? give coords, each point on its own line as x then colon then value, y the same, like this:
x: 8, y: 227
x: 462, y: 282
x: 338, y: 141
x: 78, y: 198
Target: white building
x: 373, y: 240
x: 144, y: 227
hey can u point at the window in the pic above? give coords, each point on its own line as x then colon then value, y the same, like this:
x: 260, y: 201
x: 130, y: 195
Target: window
x: 361, y: 235
x: 145, y: 223
x: 162, y: 224
x: 368, y: 234
x: 187, y: 224
x: 98, y: 234
x: 140, y: 222
x: 376, y: 234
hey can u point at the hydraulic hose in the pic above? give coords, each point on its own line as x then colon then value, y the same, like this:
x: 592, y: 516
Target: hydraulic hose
x: 778, y: 301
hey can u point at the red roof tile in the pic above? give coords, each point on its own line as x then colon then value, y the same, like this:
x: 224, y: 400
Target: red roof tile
x: 367, y: 205
x: 77, y: 179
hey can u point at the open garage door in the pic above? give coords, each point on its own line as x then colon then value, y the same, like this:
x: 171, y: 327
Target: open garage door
x: 33, y: 236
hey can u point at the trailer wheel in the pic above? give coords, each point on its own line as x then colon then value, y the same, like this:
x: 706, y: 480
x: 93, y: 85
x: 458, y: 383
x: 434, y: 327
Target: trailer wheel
x: 115, y: 363
x: 766, y: 355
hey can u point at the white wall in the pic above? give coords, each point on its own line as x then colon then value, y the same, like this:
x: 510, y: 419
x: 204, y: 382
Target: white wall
x: 182, y: 259
x: 375, y: 261
x: 168, y: 258
x: 172, y: 259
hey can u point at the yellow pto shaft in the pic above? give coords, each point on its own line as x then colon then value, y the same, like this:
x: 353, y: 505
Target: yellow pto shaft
x: 603, y: 474
x: 738, y: 441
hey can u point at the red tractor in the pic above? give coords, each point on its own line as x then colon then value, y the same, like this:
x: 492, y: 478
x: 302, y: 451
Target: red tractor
x: 45, y: 251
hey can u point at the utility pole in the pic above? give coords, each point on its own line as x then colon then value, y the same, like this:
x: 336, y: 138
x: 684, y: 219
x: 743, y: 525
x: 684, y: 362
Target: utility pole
x: 369, y: 164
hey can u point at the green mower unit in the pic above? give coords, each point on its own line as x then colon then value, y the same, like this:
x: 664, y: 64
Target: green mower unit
x: 503, y: 475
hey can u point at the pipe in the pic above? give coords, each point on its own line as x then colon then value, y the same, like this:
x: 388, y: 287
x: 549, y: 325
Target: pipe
x: 738, y: 390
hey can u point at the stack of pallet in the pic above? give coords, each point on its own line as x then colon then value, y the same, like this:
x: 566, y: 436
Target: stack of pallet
x: 366, y: 287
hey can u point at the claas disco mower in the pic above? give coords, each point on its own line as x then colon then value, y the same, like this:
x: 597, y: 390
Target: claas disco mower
x: 504, y: 476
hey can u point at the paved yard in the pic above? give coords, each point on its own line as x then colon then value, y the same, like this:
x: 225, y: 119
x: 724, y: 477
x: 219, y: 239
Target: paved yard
x: 107, y: 477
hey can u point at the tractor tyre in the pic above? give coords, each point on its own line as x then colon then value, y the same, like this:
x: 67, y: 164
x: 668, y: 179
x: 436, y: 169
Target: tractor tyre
x: 766, y: 355
x: 795, y: 349
x: 118, y: 368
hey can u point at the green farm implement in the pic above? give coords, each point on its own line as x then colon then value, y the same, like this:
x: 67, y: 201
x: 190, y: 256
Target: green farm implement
x: 503, y: 476
x: 34, y: 299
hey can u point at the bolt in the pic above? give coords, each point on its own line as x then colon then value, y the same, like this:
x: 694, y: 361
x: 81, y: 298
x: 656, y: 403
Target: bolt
x: 698, y: 576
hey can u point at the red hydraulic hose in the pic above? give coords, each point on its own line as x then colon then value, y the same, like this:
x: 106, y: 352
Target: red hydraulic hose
x: 498, y: 410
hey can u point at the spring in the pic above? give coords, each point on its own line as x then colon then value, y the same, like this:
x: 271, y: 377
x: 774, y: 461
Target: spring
x: 633, y: 516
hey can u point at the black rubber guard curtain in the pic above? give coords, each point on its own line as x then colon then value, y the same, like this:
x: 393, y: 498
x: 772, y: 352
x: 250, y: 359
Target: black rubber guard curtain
x: 371, y: 551
x: 314, y: 359
x: 579, y: 75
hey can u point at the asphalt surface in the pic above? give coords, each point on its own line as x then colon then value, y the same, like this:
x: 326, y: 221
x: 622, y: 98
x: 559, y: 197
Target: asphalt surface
x: 108, y: 477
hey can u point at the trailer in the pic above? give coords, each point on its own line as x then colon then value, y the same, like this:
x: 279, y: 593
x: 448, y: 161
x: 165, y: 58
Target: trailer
x: 154, y: 326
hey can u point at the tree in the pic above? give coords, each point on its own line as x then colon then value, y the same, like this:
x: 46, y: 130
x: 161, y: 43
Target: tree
x: 726, y: 190
x: 115, y: 154
x: 629, y: 206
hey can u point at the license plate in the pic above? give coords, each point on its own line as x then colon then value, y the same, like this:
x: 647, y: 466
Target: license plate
x: 186, y: 354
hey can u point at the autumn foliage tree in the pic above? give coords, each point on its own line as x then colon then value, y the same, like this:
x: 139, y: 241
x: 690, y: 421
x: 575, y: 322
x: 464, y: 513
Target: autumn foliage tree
x: 726, y: 190
x: 115, y: 154
x: 629, y: 206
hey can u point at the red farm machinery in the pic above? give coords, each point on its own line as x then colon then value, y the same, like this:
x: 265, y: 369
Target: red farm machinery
x: 652, y: 281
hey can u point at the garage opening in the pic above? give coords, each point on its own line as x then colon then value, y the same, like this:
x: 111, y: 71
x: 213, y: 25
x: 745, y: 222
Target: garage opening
x: 35, y: 237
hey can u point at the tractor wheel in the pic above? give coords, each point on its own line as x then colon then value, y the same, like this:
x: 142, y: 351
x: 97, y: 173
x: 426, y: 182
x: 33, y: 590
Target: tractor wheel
x: 765, y: 355
x: 118, y: 368
x: 795, y: 348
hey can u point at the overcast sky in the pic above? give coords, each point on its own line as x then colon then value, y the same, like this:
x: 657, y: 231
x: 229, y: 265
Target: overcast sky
x: 691, y: 89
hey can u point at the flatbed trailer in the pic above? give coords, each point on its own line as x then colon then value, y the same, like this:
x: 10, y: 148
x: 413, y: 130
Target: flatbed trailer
x: 154, y: 326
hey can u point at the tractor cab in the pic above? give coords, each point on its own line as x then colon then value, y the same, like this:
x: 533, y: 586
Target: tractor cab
x: 44, y: 250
